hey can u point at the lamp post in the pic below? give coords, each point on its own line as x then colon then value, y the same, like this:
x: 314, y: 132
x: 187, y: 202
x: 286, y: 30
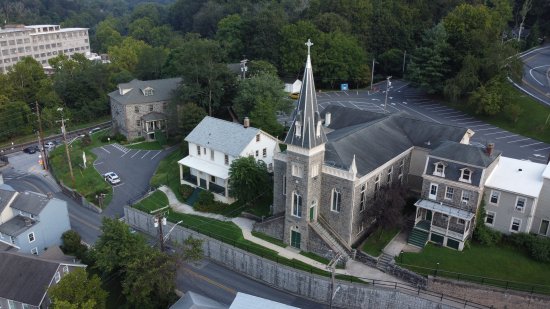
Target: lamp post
x: 388, y: 85
x: 436, y: 269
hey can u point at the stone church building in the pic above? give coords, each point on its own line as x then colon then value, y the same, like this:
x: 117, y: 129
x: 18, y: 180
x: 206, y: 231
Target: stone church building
x: 336, y: 160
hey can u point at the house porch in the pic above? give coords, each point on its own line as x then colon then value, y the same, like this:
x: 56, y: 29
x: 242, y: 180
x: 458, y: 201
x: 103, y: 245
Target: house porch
x: 206, y: 175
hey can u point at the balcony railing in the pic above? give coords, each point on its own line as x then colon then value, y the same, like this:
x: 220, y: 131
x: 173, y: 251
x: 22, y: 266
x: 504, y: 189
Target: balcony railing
x: 214, y: 188
x: 189, y: 178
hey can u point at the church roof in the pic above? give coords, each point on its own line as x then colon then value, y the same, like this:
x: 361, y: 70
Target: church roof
x: 375, y: 138
x: 307, y: 121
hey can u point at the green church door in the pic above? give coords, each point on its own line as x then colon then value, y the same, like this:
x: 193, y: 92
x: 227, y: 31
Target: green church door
x: 295, y: 238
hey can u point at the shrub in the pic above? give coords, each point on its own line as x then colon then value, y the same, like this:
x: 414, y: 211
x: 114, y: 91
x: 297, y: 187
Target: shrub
x: 482, y: 233
x: 513, y: 111
x: 72, y: 244
x: 205, y: 198
x: 538, y: 248
x: 186, y: 191
x: 86, y: 140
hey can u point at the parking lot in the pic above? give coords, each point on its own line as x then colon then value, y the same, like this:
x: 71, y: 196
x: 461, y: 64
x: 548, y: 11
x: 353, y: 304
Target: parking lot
x: 403, y: 98
x: 134, y: 167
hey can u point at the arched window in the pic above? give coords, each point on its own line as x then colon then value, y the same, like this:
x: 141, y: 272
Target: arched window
x: 363, y: 197
x: 296, y: 204
x: 336, y: 200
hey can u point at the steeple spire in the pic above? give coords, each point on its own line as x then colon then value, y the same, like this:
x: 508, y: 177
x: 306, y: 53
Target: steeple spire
x: 306, y: 130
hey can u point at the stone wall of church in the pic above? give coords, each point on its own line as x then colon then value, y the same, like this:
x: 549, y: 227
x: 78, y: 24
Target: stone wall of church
x: 318, y: 246
x: 273, y: 227
x: 339, y: 221
x: 279, y: 170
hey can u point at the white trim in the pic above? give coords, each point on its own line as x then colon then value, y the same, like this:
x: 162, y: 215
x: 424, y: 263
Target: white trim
x: 447, y: 191
x: 516, y: 208
x: 65, y: 269
x: 462, y: 170
x: 491, y: 197
x: 57, y: 277
x: 430, y: 195
x: 442, y: 173
x: 33, y: 237
x: 494, y: 215
x: 295, y: 209
x: 512, y: 224
x: 338, y: 200
x: 34, y: 251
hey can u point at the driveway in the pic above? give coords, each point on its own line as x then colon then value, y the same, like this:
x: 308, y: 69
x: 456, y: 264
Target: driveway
x: 404, y: 98
x: 536, y: 73
x: 135, y: 168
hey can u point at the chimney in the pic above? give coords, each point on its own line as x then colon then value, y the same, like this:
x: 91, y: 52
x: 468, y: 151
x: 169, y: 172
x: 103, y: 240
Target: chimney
x: 490, y: 148
x: 246, y: 122
x: 28, y: 221
x: 327, y: 119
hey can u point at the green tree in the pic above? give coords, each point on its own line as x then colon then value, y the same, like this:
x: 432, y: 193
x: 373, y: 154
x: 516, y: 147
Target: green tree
x: 106, y: 35
x: 77, y: 290
x: 257, y: 67
x: 387, y: 207
x: 266, y: 88
x: 264, y: 117
x: 126, y: 55
x: 229, y: 35
x: 189, y: 116
x: 293, y: 52
x: 429, y: 64
x: 72, y: 244
x: 150, y: 63
x: 15, y: 119
x: 25, y: 78
x: 248, y: 179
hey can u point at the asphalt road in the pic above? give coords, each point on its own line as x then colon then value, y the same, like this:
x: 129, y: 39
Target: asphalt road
x: 536, y: 73
x: 404, y: 98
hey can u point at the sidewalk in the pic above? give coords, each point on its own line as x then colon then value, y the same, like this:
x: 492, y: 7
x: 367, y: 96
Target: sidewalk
x: 353, y: 268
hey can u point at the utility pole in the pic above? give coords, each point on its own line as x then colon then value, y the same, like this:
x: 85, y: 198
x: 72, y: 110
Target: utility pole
x: 64, y: 131
x: 40, y: 134
x: 160, y: 220
x: 404, y: 57
x: 372, y: 74
x: 388, y: 85
x: 332, y: 268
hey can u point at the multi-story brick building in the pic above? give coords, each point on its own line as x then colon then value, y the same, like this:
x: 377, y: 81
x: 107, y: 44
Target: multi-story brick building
x: 42, y: 42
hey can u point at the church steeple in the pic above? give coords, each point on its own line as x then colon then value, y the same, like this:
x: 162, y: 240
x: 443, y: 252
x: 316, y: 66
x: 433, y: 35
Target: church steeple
x: 306, y: 130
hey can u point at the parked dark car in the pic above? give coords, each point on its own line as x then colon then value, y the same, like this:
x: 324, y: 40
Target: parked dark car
x: 31, y: 149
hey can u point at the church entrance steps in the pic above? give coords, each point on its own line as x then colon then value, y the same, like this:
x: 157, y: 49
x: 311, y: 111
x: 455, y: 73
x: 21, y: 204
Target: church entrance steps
x: 328, y: 238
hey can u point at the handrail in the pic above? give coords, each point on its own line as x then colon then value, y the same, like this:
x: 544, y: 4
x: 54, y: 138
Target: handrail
x: 324, y: 224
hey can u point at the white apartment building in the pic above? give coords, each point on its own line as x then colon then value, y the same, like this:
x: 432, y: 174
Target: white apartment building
x: 42, y: 42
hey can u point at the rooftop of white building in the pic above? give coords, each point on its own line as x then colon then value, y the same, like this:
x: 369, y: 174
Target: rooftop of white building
x: 518, y: 176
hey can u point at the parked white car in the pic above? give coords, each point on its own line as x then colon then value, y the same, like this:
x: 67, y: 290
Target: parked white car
x: 112, y: 178
x: 49, y: 145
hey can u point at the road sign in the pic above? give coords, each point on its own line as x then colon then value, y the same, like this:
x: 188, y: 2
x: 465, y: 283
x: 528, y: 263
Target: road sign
x: 344, y: 87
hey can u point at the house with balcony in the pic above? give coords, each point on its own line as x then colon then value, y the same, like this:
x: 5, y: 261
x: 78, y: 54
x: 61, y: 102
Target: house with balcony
x: 213, y: 145
x: 31, y: 222
x: 452, y: 189
x: 25, y: 279
x: 139, y: 108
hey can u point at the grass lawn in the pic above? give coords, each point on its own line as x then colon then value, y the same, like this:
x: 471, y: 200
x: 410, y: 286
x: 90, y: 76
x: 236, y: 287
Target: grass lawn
x: 88, y: 181
x: 146, y: 146
x: 531, y: 122
x: 503, y: 262
x: 270, y: 239
x: 315, y: 257
x: 168, y: 173
x: 378, y: 240
x: 226, y: 232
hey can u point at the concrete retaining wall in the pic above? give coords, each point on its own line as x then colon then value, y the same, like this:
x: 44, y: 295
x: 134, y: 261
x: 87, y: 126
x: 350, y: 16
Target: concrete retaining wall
x: 273, y: 226
x: 349, y: 295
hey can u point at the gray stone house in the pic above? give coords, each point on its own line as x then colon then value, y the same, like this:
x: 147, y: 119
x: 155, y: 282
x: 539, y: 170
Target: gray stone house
x: 139, y: 108
x: 31, y: 222
x: 334, y: 163
x: 452, y: 189
x: 25, y: 279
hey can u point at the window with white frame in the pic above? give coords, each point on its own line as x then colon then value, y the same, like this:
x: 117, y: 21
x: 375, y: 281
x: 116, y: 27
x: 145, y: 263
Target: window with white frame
x: 449, y: 192
x: 298, y: 128
x: 284, y: 184
x: 199, y: 150
x: 257, y: 137
x: 495, y: 195
x: 11, y: 304
x: 336, y: 200
x: 65, y: 269
x: 543, y: 229
x: 433, y: 191
x: 520, y: 204
x: 296, y: 204
x: 57, y: 277
x: 297, y: 170
x: 466, y: 195
x: 363, y: 197
x: 466, y: 175
x: 389, y: 176
x: 318, y: 129
x: 138, y: 123
x: 461, y: 221
x: 515, y: 226
x: 439, y: 169
x: 257, y: 153
x: 490, y: 218
x: 264, y: 152
x: 31, y: 237
x: 34, y: 251
x: 315, y: 170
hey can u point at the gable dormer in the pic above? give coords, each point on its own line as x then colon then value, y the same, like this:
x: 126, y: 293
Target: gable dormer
x: 148, y: 91
x: 439, y: 169
x: 465, y: 175
x: 122, y: 89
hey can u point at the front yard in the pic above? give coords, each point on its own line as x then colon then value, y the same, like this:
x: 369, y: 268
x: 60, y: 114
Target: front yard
x: 512, y: 268
x: 378, y: 240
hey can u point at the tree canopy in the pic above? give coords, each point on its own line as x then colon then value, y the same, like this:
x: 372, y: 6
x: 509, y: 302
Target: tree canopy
x: 78, y: 291
x: 248, y: 179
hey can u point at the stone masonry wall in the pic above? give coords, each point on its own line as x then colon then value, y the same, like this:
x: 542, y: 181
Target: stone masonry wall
x: 317, y: 288
x: 272, y: 227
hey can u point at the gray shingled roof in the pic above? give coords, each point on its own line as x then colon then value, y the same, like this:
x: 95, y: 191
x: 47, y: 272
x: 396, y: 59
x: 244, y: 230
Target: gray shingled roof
x: 16, y: 225
x: 162, y: 91
x: 5, y: 197
x: 31, y: 202
x: 453, y: 170
x: 376, y: 138
x: 306, y: 114
x: 153, y: 116
x: 223, y: 136
x: 25, y: 279
x: 468, y: 154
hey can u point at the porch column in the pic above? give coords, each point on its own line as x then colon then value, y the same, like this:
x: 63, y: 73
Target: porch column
x: 208, y: 182
x: 198, y: 179
x: 181, y: 172
x: 416, y: 215
x: 448, y: 222
x: 226, y: 189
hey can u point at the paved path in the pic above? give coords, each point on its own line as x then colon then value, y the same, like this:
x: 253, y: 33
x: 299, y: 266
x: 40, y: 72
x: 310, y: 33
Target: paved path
x: 353, y: 268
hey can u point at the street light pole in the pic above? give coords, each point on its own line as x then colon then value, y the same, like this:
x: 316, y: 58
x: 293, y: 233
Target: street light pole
x: 64, y: 131
x: 332, y: 268
x: 372, y: 74
x: 388, y: 85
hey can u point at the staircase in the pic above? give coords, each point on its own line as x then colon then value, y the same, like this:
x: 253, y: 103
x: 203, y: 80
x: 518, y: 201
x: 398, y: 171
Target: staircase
x: 418, y: 238
x: 329, y: 239
x: 383, y: 261
x: 193, y: 197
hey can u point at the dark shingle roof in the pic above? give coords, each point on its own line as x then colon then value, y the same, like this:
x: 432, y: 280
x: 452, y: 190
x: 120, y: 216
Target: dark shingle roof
x: 468, y: 154
x: 162, y: 91
x: 153, y: 116
x: 453, y: 170
x: 25, y: 279
x: 30, y: 202
x: 307, y: 115
x: 376, y: 138
x: 16, y: 225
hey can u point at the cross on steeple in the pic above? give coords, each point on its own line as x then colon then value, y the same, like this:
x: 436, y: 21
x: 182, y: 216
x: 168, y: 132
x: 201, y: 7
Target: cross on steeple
x: 309, y: 44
